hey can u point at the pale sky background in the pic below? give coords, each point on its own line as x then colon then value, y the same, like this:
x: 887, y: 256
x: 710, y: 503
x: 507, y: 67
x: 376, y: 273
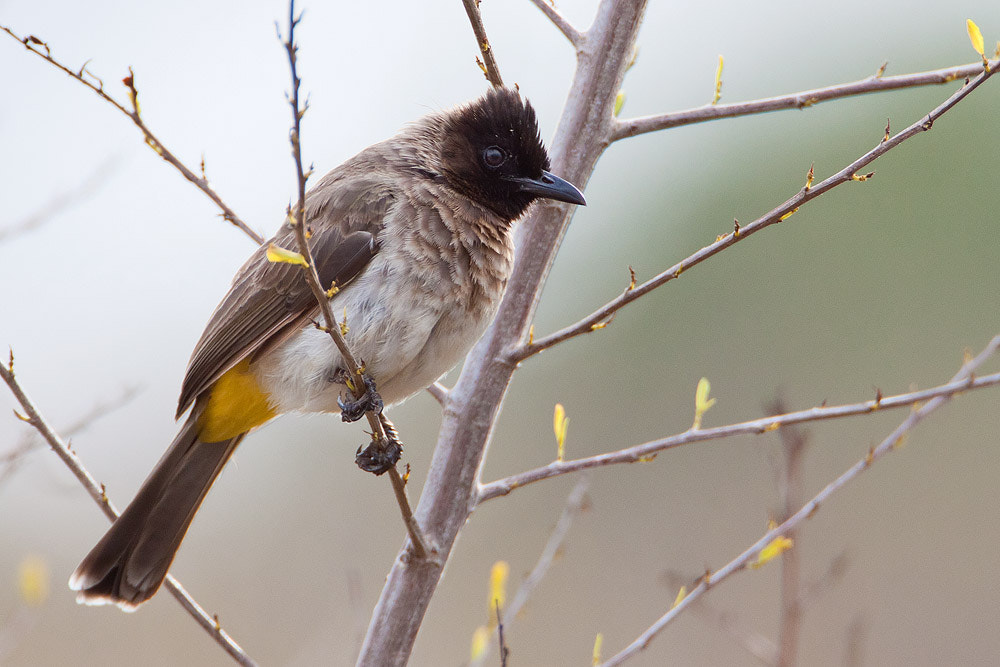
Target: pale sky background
x: 874, y: 285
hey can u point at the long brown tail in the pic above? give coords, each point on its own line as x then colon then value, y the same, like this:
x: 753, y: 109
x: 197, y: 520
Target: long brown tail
x: 130, y: 562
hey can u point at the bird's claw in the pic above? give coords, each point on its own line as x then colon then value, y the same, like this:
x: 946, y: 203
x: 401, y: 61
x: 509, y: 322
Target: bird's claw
x: 379, y: 457
x: 351, y: 410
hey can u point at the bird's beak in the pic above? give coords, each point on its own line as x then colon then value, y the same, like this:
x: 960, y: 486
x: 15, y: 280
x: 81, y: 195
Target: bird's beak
x: 550, y: 186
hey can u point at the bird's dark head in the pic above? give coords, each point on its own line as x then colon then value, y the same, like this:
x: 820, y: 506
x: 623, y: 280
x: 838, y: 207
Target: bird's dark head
x: 492, y: 153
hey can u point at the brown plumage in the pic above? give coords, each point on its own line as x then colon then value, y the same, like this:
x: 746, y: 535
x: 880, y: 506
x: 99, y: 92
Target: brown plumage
x: 415, y: 231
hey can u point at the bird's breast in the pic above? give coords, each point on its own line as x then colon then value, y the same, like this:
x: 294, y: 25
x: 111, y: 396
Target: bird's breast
x: 412, y: 314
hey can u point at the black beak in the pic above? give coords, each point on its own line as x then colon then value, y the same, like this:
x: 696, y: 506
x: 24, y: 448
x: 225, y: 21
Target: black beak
x: 550, y: 186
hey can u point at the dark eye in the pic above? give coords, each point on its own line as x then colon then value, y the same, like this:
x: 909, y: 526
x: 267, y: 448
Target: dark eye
x: 494, y: 156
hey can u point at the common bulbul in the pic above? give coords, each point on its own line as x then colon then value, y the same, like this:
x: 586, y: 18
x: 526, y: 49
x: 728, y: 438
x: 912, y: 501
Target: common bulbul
x: 415, y: 232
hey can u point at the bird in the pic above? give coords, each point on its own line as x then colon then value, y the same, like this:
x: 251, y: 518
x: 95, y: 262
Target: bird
x: 415, y: 233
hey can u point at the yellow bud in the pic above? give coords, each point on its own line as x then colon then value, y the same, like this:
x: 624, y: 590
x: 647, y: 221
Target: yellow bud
x: 702, y: 402
x: 498, y: 586
x: 480, y: 640
x: 774, y: 548
x: 279, y: 255
x: 560, y: 422
x: 598, y: 642
x: 976, y: 37
x: 33, y: 578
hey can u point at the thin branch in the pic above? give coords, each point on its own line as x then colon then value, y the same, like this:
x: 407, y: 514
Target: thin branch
x: 296, y: 219
x: 489, y: 63
x: 624, y: 129
x: 41, y: 49
x: 574, y: 36
x: 34, y: 418
x: 889, y: 444
x: 599, y: 318
x: 576, y: 502
x: 645, y: 451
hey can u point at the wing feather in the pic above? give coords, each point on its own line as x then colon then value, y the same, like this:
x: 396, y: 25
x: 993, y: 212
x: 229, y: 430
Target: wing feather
x: 345, y: 213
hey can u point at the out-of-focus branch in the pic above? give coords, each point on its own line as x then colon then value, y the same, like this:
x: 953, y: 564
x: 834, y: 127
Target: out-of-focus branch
x: 41, y: 49
x: 502, y: 487
x: 474, y: 402
x: 889, y: 444
x: 574, y: 36
x: 297, y: 219
x: 762, y: 648
x: 806, y: 98
x: 10, y: 461
x: 793, y: 445
x: 599, y: 318
x: 34, y: 418
x: 489, y: 61
x: 59, y: 203
x: 576, y: 502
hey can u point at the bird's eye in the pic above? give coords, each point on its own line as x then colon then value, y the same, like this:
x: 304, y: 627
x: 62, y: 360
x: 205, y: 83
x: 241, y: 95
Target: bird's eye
x: 494, y: 156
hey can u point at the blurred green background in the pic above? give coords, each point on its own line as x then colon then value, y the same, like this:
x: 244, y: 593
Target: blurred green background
x: 881, y: 284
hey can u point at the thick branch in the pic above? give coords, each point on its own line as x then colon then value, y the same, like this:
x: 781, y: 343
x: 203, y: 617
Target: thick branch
x: 889, y: 444
x: 475, y: 400
x: 874, y: 84
x: 35, y: 419
x: 502, y: 487
x: 599, y: 317
x: 35, y: 45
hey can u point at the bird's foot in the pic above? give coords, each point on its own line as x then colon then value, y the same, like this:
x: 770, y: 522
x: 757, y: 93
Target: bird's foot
x: 378, y: 457
x: 351, y: 410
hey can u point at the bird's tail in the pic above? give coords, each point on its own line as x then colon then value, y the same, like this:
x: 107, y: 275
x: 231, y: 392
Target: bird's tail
x: 130, y: 562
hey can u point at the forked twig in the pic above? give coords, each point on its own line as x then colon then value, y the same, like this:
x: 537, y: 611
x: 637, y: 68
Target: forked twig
x: 889, y: 444
x: 36, y: 46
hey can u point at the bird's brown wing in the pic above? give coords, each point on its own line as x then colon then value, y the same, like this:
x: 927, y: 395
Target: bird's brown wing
x: 345, y: 215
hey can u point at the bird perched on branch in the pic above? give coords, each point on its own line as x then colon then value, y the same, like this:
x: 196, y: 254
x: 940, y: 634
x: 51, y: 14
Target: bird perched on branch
x: 415, y: 232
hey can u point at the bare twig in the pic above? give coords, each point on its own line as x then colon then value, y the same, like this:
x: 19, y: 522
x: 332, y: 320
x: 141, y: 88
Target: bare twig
x: 848, y: 174
x: 296, y: 219
x: 576, y: 502
x: 502, y: 487
x: 489, y: 62
x: 574, y: 36
x: 631, y: 127
x: 474, y: 402
x: 84, y: 76
x: 889, y: 444
x: 34, y: 418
